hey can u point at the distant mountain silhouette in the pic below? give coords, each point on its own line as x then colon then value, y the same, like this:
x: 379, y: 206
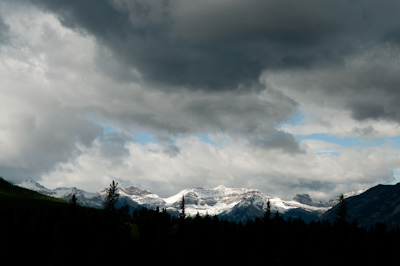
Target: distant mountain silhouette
x: 379, y: 204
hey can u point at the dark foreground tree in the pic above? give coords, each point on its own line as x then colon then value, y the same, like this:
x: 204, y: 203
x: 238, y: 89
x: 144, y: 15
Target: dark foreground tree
x: 267, y: 212
x: 342, y: 212
x: 182, y: 208
x: 73, y: 200
x: 111, y: 198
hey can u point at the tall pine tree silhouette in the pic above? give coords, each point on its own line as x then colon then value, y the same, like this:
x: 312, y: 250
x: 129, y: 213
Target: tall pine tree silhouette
x: 73, y: 201
x: 111, y: 198
x: 267, y: 212
x: 342, y: 211
x: 182, y: 207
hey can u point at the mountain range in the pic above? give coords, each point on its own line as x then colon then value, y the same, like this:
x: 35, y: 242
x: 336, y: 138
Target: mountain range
x: 235, y: 204
x: 379, y: 204
x: 32, y: 223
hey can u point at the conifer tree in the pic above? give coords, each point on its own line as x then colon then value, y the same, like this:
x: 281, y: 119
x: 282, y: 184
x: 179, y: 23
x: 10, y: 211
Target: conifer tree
x: 342, y: 212
x: 267, y: 212
x: 182, y: 208
x: 73, y: 200
x: 111, y: 197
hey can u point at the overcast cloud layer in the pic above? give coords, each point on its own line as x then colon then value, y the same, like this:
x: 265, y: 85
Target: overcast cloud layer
x: 172, y: 94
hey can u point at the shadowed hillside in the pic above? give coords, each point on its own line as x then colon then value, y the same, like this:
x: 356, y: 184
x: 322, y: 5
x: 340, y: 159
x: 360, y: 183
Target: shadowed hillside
x: 379, y: 204
x: 37, y: 229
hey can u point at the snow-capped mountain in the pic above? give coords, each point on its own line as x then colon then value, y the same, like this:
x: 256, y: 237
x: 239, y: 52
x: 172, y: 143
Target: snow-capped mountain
x: 231, y: 203
x: 136, y: 197
x: 35, y: 186
x: 209, y: 201
x: 84, y: 198
x: 234, y: 203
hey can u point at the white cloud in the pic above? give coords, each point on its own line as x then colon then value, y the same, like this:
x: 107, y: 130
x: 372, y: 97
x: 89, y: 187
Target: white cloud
x: 236, y: 164
x: 338, y: 122
x: 57, y: 83
x: 53, y: 92
x: 357, y: 96
x: 36, y: 129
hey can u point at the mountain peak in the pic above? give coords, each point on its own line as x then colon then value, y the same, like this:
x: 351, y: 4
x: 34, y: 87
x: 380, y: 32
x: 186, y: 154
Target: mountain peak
x: 32, y: 185
x: 135, y: 191
x: 303, y: 198
x: 220, y: 187
x: 236, y: 203
x: 354, y: 192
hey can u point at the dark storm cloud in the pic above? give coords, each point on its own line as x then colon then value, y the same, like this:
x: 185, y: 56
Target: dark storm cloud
x: 366, y: 83
x: 215, y: 46
x: 76, y: 94
x: 252, y: 116
x: 97, y: 17
x: 4, y: 28
x: 220, y: 44
x: 225, y: 45
x: 374, y: 85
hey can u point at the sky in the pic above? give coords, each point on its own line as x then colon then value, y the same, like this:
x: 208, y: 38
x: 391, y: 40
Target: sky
x: 284, y: 96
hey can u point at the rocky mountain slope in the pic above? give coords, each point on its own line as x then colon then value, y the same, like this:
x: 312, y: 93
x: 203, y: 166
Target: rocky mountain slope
x: 236, y: 204
x: 379, y: 204
x: 84, y: 198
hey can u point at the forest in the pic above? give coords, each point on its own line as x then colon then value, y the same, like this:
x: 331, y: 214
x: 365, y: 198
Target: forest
x: 46, y: 231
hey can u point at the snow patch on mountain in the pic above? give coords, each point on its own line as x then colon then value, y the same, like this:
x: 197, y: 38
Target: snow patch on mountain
x: 208, y: 201
x: 35, y: 186
x: 220, y: 200
x: 84, y: 198
x: 354, y: 192
x: 140, y: 196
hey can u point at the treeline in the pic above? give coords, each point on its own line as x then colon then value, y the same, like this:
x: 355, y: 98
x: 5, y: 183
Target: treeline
x: 39, y: 230
x: 49, y: 232
x: 271, y: 241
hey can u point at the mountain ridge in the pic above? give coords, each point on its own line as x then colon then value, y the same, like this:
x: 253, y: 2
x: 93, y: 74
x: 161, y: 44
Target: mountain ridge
x: 71, y: 234
x: 238, y: 204
x: 379, y: 204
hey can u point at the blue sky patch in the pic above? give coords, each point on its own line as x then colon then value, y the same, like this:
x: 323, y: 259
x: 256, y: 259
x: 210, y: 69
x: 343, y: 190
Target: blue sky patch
x: 334, y: 153
x: 144, y: 138
x: 206, y: 139
x: 351, y: 141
